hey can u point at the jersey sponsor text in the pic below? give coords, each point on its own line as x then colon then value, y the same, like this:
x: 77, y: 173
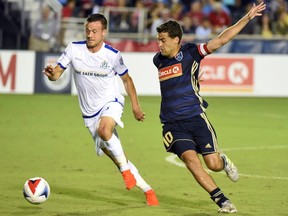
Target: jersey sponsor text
x: 91, y: 74
x: 170, y: 72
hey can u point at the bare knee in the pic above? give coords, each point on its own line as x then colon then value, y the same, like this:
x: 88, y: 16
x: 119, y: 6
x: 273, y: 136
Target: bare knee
x: 216, y: 167
x: 104, y: 133
x: 214, y: 162
x: 192, y: 161
x: 105, y: 128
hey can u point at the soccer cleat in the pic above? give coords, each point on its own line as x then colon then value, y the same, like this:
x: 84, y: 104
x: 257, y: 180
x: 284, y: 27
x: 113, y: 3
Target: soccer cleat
x: 129, y: 179
x: 151, y: 198
x: 230, y: 168
x: 227, y: 207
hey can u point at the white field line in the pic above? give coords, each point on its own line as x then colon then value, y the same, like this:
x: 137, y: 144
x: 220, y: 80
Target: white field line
x: 173, y: 159
x: 256, y: 148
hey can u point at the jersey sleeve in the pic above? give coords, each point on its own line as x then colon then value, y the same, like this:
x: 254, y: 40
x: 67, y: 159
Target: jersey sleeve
x: 156, y: 60
x: 65, y: 58
x: 119, y: 66
x: 203, y: 50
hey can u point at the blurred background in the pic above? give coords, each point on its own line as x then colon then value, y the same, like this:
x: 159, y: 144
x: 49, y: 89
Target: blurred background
x: 49, y: 25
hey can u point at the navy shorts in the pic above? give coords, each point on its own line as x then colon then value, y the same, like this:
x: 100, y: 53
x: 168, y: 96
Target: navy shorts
x: 196, y: 134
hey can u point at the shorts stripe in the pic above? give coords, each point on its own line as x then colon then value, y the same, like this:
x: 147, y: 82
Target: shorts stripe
x: 116, y: 100
x: 211, y: 129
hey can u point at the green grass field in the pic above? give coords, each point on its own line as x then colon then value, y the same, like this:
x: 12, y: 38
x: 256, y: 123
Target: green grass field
x: 44, y: 135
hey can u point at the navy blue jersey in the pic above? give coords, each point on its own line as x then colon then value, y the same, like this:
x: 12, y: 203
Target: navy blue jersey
x: 179, y: 83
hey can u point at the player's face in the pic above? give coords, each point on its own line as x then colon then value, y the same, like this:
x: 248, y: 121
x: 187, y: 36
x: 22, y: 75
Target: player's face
x: 94, y: 35
x: 168, y: 46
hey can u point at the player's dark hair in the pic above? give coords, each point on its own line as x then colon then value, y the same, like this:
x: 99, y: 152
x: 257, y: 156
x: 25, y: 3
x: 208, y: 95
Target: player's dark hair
x: 97, y: 17
x: 172, y: 27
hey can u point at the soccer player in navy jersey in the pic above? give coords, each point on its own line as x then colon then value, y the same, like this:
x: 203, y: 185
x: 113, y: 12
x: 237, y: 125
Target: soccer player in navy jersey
x: 96, y: 67
x: 187, y: 131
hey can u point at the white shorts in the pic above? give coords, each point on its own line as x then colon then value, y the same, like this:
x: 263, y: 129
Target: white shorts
x: 111, y: 109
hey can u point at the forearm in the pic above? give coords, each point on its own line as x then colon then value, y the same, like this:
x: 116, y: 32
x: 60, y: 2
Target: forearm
x: 229, y: 33
x: 131, y: 91
x: 53, y: 77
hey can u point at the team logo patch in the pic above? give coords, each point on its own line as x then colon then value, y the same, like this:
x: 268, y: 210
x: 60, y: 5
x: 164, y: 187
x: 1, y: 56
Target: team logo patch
x: 208, y: 146
x: 121, y: 61
x: 104, y: 65
x: 179, y: 56
x: 170, y: 72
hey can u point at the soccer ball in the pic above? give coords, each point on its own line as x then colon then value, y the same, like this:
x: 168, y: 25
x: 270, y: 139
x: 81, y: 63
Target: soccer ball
x: 36, y: 190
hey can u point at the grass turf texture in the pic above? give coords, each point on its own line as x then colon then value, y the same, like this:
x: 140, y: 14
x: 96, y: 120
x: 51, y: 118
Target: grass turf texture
x: 44, y: 135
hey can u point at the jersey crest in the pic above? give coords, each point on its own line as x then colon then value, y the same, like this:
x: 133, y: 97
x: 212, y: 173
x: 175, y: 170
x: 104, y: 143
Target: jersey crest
x: 104, y: 65
x: 179, y: 56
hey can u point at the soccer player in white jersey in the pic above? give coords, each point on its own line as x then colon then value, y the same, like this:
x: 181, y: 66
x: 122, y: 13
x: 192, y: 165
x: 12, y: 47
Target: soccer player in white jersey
x: 96, y: 67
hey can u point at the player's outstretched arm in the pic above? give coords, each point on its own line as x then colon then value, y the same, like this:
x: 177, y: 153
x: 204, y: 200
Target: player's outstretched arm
x: 229, y: 33
x: 53, y: 74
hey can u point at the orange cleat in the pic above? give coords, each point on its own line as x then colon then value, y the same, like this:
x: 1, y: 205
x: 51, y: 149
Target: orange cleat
x: 151, y: 198
x: 129, y: 179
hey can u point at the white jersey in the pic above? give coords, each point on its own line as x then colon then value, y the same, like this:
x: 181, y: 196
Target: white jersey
x: 94, y: 75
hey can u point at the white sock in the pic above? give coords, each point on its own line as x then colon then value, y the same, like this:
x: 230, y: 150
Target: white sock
x: 115, y: 148
x: 140, y: 182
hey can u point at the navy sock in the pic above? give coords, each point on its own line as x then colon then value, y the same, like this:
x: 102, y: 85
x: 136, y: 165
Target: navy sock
x: 218, y: 197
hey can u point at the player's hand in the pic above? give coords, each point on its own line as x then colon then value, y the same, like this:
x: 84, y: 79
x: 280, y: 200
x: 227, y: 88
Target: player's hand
x: 48, y: 71
x: 139, y: 115
x: 256, y: 10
